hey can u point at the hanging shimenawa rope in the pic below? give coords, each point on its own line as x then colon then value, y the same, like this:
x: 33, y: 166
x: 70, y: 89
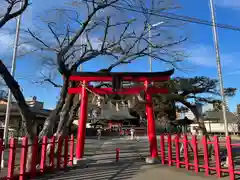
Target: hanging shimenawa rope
x: 90, y: 91
x: 97, y: 95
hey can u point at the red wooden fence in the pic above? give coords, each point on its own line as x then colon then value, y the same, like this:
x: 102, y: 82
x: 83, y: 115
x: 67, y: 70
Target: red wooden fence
x: 16, y: 168
x: 194, y: 157
x: 195, y: 154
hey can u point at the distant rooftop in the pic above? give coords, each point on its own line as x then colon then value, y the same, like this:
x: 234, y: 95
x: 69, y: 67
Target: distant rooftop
x: 218, y: 116
x: 35, y: 106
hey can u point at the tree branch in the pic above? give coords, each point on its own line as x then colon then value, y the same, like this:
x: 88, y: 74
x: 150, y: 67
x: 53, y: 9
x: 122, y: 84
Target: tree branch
x: 8, y: 15
x: 60, y: 56
x: 40, y: 40
x: 54, y: 33
x: 105, y: 33
x: 84, y: 25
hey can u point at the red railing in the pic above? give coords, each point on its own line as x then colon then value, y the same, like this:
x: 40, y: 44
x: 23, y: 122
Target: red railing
x: 195, y: 155
x: 41, y: 161
x: 175, y: 150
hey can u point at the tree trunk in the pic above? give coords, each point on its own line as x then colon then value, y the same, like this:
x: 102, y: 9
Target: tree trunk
x: 70, y: 114
x: 64, y: 115
x: 27, y: 115
x: 204, y: 130
x: 51, y: 120
x: 200, y: 121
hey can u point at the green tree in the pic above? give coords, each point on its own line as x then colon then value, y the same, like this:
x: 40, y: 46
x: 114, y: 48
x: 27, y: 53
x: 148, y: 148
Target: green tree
x: 190, y: 91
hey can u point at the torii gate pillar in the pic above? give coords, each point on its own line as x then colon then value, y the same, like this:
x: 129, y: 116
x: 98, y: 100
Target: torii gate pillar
x: 83, y: 115
x: 151, y: 128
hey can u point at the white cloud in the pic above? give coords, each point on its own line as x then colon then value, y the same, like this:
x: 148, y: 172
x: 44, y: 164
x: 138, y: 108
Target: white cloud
x: 228, y: 3
x: 232, y: 73
x: 7, y: 43
x: 204, y: 55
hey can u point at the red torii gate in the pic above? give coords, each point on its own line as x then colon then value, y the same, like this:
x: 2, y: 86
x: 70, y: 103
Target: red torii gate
x: 117, y: 78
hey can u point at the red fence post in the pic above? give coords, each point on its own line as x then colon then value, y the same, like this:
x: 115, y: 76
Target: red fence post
x: 229, y: 158
x: 117, y: 154
x: 35, y: 157
x: 195, y: 153
x: 65, y: 152
x: 205, y: 152
x: 185, y: 150
x: 71, y: 150
x: 59, y: 155
x: 11, y: 160
x: 217, y: 155
x: 162, y: 147
x: 169, y: 150
x: 1, y: 150
x: 43, y: 153
x: 23, y: 160
x: 177, y: 151
x: 52, y: 151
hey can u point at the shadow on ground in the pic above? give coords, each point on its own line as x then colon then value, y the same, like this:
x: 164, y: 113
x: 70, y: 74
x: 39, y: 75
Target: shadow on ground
x: 105, y: 171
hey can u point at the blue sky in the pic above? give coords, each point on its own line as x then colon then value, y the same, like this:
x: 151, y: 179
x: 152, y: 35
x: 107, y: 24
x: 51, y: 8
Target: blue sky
x: 200, y: 48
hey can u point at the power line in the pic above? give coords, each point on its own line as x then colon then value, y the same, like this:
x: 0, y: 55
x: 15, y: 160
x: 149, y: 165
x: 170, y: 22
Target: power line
x: 184, y: 18
x: 174, y: 17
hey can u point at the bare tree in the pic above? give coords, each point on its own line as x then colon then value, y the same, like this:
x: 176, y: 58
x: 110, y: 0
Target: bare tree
x: 117, y: 30
x: 108, y: 31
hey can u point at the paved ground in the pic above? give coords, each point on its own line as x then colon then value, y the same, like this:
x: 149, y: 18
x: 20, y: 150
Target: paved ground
x: 137, y: 170
x: 102, y: 165
x: 165, y: 173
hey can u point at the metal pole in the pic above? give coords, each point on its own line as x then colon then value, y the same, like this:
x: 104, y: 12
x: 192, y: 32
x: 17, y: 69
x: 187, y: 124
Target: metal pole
x: 219, y: 69
x: 81, y: 67
x: 9, y: 101
x: 150, y: 48
x: 150, y: 42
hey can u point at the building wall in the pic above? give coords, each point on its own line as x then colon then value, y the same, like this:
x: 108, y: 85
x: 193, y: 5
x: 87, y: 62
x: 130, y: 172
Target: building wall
x: 207, y: 107
x: 238, y: 109
x: 15, y: 127
x: 216, y: 127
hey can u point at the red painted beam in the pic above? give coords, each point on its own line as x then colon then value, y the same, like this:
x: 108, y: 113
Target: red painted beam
x: 124, y: 91
x: 124, y: 78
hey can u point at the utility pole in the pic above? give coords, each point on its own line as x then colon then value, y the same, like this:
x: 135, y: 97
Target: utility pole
x: 13, y: 68
x: 219, y: 69
x: 150, y: 42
